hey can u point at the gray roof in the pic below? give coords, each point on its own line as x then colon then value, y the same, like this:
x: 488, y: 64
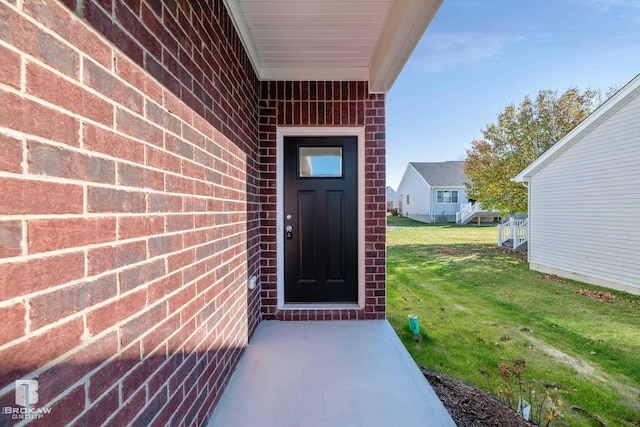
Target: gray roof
x: 442, y: 174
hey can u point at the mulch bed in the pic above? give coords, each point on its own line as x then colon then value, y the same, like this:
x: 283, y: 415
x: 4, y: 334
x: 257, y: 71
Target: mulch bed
x: 470, y: 406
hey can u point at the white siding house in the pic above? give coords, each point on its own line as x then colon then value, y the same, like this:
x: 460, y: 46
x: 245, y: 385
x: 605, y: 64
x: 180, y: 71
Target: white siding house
x: 432, y: 192
x: 584, y: 198
x: 392, y: 199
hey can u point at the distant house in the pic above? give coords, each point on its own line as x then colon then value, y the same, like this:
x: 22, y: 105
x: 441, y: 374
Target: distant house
x: 392, y: 199
x: 432, y: 192
x: 584, y: 198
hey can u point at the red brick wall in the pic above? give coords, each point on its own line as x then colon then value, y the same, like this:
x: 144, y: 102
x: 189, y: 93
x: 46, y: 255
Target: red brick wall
x: 135, y: 200
x: 129, y: 210
x: 326, y: 104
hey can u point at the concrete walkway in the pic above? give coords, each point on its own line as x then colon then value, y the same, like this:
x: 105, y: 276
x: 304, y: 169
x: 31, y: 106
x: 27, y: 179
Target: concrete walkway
x: 334, y: 373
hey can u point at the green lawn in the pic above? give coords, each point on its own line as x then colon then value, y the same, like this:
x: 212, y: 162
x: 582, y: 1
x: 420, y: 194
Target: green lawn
x: 479, y: 306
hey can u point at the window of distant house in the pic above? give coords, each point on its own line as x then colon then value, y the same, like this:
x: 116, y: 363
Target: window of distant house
x: 407, y: 199
x: 446, y: 196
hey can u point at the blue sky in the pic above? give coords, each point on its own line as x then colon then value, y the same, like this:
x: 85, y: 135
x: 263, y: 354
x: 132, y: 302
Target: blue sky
x: 478, y: 56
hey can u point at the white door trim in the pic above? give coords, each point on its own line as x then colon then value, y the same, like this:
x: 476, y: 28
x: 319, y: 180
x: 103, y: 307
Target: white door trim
x: 281, y: 132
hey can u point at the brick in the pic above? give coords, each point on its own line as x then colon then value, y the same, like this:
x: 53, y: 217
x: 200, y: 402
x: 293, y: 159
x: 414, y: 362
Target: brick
x: 110, y: 143
x: 17, y: 31
x: 36, y: 119
x: 113, y: 257
x: 139, y: 375
x: 53, y: 88
x: 180, y: 299
x: 178, y: 184
x: 137, y: 226
x: 165, y: 244
x: 162, y: 160
x: 20, y: 359
x: 142, y: 274
x: 100, y: 411
x: 168, y: 411
x: 136, y: 77
x: 10, y: 66
x: 136, y: 327
x: 65, y: 410
x: 13, y: 323
x: 137, y: 127
x: 133, y: 25
x: 55, y: 305
x: 180, y: 222
x: 57, y: 54
x: 52, y: 15
x: 151, y: 410
x: 128, y: 410
x: 22, y: 278
x: 11, y: 153
x: 136, y: 176
x: 10, y: 238
x: 54, y: 234
x: 116, y: 311
x: 179, y: 146
x: 103, y: 200
x: 163, y: 287
x: 102, y: 22
x: 45, y: 159
x: 56, y: 380
x: 109, y: 85
x: 113, y: 371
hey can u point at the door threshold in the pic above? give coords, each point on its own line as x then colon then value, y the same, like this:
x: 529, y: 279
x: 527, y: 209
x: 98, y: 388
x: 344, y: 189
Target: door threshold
x: 320, y: 306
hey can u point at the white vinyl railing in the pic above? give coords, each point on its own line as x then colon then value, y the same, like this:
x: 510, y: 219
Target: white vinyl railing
x: 515, y: 230
x: 467, y: 212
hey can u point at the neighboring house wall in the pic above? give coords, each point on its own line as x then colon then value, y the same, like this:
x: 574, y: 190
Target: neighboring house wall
x: 424, y: 204
x: 446, y: 212
x: 326, y: 104
x: 584, y: 206
x: 392, y: 199
x: 416, y: 191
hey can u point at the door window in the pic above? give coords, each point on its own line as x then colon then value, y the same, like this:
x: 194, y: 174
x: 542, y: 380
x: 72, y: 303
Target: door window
x: 320, y: 162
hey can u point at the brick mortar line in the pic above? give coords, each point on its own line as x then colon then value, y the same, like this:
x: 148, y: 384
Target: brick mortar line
x: 149, y: 190
x: 80, y: 83
x: 191, y: 57
x: 115, y: 243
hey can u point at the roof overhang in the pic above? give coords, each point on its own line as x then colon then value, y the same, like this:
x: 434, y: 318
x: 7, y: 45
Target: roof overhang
x: 604, y: 111
x: 367, y: 40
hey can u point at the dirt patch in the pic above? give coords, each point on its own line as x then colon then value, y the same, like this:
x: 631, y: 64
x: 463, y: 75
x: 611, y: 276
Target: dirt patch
x: 602, y: 296
x: 471, y: 406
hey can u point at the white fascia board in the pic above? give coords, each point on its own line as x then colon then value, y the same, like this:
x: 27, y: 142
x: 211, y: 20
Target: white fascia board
x: 613, y: 104
x: 407, y: 22
x: 315, y: 74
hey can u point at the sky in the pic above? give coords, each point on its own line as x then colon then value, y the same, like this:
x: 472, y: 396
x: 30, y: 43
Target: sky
x: 478, y: 56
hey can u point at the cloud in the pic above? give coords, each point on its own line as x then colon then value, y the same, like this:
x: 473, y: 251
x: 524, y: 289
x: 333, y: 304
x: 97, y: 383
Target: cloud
x: 442, y: 51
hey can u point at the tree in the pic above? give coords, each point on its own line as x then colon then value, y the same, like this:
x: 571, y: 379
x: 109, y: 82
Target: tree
x: 519, y: 137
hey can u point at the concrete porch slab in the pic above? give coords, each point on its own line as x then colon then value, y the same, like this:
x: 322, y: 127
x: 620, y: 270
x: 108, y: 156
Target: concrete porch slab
x: 333, y: 373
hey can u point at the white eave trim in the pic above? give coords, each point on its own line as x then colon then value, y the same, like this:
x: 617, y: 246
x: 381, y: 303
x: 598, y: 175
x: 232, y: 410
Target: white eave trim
x: 315, y: 73
x: 613, y: 104
x: 406, y: 23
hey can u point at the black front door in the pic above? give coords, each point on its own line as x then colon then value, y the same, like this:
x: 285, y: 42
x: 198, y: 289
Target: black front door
x: 320, y: 219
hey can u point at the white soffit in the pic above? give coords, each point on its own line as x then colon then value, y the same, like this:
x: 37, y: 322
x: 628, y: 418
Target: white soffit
x: 367, y: 40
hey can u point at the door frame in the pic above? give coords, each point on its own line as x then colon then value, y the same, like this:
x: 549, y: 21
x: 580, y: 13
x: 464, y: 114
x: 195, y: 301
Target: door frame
x: 281, y: 132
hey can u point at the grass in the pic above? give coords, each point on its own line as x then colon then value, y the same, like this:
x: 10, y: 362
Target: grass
x: 479, y: 306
